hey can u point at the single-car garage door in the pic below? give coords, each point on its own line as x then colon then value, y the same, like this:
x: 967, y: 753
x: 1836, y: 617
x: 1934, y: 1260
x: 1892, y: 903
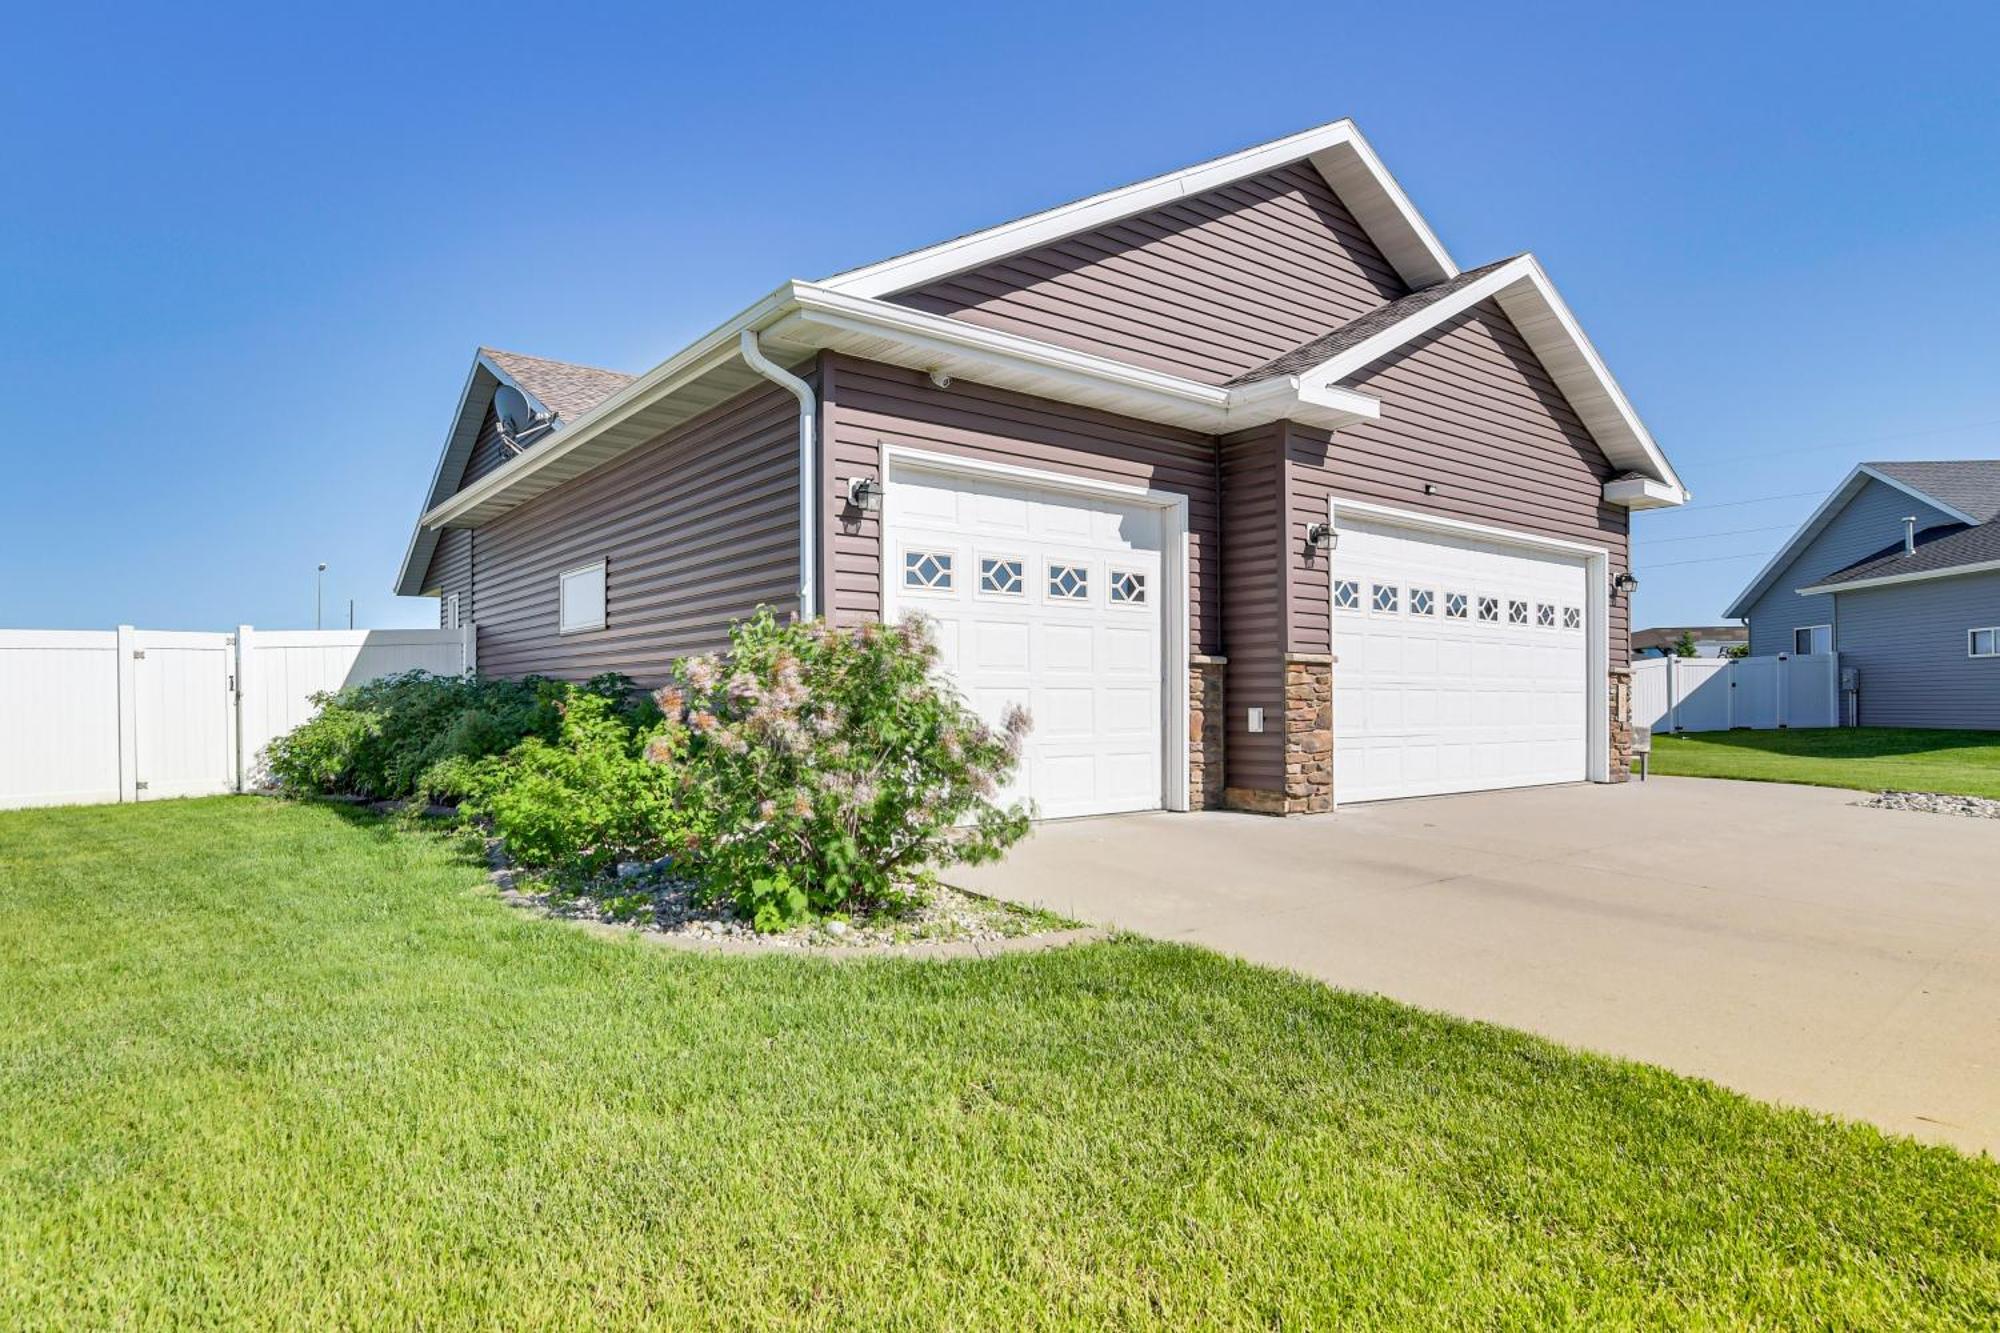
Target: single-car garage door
x: 1462, y: 663
x: 1051, y: 600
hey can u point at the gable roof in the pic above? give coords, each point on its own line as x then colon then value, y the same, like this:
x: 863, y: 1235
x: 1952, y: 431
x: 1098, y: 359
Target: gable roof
x: 1336, y: 150
x: 1943, y: 551
x: 1971, y: 480
x: 568, y: 391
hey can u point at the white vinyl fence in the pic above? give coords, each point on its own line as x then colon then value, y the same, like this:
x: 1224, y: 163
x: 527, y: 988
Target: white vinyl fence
x: 1719, y: 694
x: 91, y: 716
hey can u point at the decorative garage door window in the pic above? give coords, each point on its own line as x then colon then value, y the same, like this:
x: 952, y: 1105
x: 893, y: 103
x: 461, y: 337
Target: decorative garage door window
x: 1346, y: 595
x: 1388, y: 598
x: 1454, y: 606
x: 1069, y: 583
x: 1572, y: 618
x: 1517, y: 612
x: 1423, y: 602
x: 930, y: 570
x: 1128, y: 587
x: 1003, y: 577
x: 1489, y: 609
x: 1545, y: 616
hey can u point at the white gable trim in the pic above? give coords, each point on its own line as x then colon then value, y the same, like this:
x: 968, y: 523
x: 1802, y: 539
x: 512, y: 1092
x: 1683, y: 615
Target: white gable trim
x: 1850, y: 486
x: 1921, y: 576
x: 1337, y: 150
x: 1552, y: 333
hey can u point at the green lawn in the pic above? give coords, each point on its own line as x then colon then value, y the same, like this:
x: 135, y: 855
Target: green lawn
x: 282, y: 1065
x: 1961, y: 763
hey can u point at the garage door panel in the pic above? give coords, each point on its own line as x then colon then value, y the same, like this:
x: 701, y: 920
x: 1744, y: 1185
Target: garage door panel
x: 1428, y: 702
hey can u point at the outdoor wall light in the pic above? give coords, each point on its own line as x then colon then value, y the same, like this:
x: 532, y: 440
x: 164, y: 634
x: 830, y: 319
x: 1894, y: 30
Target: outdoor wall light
x: 1624, y: 581
x: 865, y: 494
x: 1321, y: 536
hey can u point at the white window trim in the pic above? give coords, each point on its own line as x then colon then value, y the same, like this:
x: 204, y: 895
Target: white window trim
x: 901, y: 574
x: 1976, y: 630
x: 1176, y: 577
x: 1596, y: 611
x: 979, y: 588
x: 1809, y: 630
x: 1051, y: 563
x: 604, y: 602
x: 1117, y: 603
x: 451, y: 605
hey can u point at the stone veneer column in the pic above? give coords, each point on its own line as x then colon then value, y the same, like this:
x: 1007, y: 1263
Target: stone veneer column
x: 1621, y: 724
x: 1308, y: 733
x: 1205, y: 729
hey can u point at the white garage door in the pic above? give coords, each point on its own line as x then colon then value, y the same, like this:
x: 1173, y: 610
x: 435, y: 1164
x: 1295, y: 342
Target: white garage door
x: 1462, y: 664
x: 1049, y: 600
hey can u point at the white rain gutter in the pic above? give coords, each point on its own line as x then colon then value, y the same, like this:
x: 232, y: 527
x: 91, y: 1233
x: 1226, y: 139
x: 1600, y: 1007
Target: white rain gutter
x: 753, y: 356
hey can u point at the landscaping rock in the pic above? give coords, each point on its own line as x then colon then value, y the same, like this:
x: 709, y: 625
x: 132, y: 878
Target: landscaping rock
x: 1935, y: 803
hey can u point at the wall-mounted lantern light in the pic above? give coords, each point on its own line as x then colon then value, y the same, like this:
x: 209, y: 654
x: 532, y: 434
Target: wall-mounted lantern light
x: 1624, y: 582
x: 865, y: 494
x: 1321, y: 537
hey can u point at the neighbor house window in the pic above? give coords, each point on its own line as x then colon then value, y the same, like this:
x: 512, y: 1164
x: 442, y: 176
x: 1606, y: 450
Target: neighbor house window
x: 1809, y: 639
x: 451, y: 610
x: 580, y: 599
x: 1984, y: 642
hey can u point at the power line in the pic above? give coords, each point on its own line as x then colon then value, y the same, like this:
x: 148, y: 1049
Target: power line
x: 1733, y: 504
x: 1733, y: 532
x: 1706, y: 560
x: 1877, y: 439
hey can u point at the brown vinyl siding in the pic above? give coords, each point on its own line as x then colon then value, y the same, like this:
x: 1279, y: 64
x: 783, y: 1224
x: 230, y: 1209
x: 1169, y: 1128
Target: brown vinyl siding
x: 1253, y: 612
x: 697, y: 529
x: 866, y: 405
x: 1207, y: 287
x: 488, y: 451
x: 1469, y: 408
x: 451, y: 572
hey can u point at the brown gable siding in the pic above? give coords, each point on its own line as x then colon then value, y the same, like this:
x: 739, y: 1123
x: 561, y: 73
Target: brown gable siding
x: 866, y: 405
x: 1470, y: 409
x: 1253, y: 612
x: 1207, y: 287
x: 488, y: 451
x: 451, y: 572
x: 698, y: 529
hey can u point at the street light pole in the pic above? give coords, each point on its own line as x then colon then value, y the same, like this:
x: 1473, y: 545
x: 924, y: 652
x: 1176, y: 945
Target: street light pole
x: 319, y: 590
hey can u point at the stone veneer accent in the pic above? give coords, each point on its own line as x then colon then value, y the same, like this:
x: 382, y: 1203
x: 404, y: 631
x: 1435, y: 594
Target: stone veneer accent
x: 1621, y: 724
x: 1205, y: 729
x: 1308, y: 726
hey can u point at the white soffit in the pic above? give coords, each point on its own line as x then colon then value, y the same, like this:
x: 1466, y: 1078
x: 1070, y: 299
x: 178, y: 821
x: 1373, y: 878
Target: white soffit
x: 1337, y: 151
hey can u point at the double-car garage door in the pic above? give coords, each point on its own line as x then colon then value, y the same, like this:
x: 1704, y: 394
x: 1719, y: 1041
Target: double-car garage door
x: 1463, y: 661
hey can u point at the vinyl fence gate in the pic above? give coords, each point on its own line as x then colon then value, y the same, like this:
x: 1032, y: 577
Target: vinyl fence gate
x: 1721, y: 694
x: 97, y: 716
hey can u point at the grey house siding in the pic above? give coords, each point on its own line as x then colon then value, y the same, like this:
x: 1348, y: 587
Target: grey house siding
x: 1872, y: 520
x: 1253, y: 612
x: 1469, y: 409
x: 866, y: 405
x: 1909, y: 641
x: 697, y: 530
x: 1206, y: 287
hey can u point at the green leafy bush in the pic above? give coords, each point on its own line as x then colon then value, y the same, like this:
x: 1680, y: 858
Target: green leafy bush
x: 830, y: 764
x: 602, y: 790
x: 408, y: 735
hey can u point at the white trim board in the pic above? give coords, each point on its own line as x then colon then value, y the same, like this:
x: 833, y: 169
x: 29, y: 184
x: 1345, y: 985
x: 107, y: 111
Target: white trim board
x: 1889, y: 580
x: 1597, y: 613
x: 1336, y: 150
x: 1175, y: 565
x: 1837, y: 499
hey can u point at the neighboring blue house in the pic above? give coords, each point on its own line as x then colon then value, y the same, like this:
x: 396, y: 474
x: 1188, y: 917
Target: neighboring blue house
x: 1899, y: 572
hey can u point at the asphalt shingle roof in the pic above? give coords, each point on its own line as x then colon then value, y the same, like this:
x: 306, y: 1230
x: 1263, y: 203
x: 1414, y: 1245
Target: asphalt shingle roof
x: 1358, y: 330
x: 567, y: 390
x: 1942, y: 548
x: 1969, y: 485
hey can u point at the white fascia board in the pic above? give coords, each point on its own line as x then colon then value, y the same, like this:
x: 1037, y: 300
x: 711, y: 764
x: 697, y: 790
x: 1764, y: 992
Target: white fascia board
x: 1642, y: 493
x: 423, y: 539
x: 1887, y: 580
x: 1336, y: 150
x: 1551, y: 331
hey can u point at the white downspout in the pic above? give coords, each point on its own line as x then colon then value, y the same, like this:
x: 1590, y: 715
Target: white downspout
x: 753, y: 356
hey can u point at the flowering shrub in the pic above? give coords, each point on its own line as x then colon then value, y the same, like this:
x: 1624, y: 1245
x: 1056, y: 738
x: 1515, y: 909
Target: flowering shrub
x: 830, y: 764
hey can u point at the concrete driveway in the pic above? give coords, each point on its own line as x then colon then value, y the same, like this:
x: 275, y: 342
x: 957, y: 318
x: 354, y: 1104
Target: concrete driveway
x: 1780, y: 940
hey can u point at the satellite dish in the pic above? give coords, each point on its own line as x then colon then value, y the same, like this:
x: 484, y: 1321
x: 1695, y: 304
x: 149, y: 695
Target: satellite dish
x: 511, y: 406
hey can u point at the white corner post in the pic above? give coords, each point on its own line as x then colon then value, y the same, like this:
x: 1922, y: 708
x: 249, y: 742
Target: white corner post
x: 468, y: 651
x: 753, y: 356
x: 247, y: 705
x: 128, y: 715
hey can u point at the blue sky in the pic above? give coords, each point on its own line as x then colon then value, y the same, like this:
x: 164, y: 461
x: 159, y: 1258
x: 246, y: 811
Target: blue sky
x: 247, y: 255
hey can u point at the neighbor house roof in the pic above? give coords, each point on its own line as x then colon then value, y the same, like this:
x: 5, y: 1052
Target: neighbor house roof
x: 1666, y: 636
x: 1942, y: 551
x: 1946, y: 486
x: 847, y: 313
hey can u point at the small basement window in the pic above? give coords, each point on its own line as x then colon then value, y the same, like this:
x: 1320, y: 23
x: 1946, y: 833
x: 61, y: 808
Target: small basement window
x: 580, y: 599
x: 1810, y: 639
x: 1983, y: 643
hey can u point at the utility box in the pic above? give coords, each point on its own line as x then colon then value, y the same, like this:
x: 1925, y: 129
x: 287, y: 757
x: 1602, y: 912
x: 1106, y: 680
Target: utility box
x: 1642, y: 748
